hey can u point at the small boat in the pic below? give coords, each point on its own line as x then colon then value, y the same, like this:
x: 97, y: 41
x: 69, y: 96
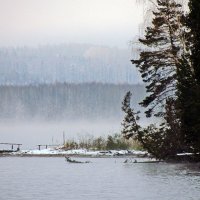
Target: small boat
x: 156, y: 161
x: 68, y: 159
x: 136, y: 161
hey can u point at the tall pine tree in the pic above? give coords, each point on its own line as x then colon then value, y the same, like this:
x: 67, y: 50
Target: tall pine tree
x: 158, y: 62
x: 191, y: 108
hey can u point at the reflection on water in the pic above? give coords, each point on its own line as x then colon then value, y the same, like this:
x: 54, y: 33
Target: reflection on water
x: 104, y: 178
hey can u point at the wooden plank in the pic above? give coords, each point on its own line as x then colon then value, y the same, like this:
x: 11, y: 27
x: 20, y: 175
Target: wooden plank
x: 11, y: 144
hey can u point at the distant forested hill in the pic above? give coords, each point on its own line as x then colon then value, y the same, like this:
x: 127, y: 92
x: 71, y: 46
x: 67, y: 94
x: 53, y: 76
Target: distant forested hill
x: 73, y: 63
x: 63, y: 101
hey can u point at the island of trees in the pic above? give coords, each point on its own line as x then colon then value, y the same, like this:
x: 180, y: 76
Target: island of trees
x: 170, y: 68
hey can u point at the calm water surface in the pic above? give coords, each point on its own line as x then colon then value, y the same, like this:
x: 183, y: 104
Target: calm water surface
x: 104, y: 178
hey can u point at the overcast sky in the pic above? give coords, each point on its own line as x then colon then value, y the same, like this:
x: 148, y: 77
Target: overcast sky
x: 37, y: 22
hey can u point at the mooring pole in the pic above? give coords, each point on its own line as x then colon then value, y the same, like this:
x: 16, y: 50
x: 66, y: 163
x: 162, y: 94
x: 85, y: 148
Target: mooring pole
x: 63, y: 138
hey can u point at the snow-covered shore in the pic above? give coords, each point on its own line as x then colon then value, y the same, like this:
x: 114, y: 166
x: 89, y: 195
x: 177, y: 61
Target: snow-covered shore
x: 78, y: 152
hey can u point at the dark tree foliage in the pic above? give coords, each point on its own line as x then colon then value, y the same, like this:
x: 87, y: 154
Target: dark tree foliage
x: 186, y: 106
x: 170, y: 67
x: 194, y: 25
x: 158, y: 63
x: 190, y: 115
x: 162, y: 142
x: 130, y: 126
x: 116, y: 142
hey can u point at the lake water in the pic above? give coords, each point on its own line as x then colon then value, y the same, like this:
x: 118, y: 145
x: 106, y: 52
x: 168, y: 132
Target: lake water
x: 104, y: 178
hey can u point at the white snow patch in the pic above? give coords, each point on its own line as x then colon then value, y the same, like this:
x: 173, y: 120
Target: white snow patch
x: 85, y: 152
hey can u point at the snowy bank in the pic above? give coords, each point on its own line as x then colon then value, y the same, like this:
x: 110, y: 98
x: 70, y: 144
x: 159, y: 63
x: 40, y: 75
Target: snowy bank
x: 79, y: 152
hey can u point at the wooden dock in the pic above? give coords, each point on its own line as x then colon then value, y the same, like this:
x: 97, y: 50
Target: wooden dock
x: 13, y: 147
x: 47, y: 145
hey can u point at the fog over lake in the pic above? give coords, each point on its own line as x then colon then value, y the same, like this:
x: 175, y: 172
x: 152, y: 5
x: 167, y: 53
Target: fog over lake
x: 31, y: 134
x: 34, y: 114
x: 65, y: 69
x: 75, y: 89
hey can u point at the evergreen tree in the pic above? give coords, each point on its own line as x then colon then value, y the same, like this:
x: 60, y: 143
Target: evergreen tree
x: 162, y: 142
x: 130, y: 126
x: 186, y: 109
x: 162, y: 66
x: 191, y: 105
x: 110, y: 143
x: 170, y: 68
x: 167, y: 70
x: 158, y: 63
x: 194, y: 25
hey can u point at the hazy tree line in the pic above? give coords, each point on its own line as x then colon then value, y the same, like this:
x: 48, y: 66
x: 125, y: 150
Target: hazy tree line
x: 72, y: 63
x: 65, y: 101
x: 170, y: 67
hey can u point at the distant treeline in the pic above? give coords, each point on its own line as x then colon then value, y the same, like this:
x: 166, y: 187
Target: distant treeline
x: 66, y: 101
x: 72, y: 63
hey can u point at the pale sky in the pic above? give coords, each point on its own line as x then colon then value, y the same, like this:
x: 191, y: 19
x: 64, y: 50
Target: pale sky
x: 37, y: 22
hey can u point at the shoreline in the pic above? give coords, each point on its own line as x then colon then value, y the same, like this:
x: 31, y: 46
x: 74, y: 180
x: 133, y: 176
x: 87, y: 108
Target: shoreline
x: 73, y: 155
x: 82, y: 153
